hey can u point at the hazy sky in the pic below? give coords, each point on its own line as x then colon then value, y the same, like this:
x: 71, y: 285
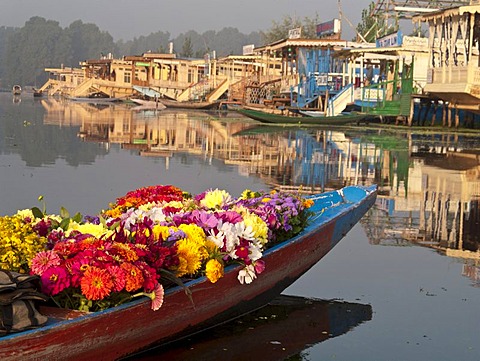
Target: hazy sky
x: 126, y: 19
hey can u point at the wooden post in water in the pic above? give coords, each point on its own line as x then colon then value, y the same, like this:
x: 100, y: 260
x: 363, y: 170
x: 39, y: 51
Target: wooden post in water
x: 457, y: 116
x: 410, y: 116
x: 434, y: 115
x: 449, y: 114
x: 325, y: 109
x: 444, y: 114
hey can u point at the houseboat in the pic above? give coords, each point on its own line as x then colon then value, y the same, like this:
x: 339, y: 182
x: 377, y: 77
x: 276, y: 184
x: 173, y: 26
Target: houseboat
x: 453, y: 75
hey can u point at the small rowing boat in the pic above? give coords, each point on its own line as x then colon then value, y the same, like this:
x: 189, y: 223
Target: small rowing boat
x: 264, y: 117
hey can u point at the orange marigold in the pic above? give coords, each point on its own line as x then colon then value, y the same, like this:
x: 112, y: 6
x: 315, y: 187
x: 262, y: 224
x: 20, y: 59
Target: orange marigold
x: 133, y: 277
x: 126, y: 251
x: 96, y: 283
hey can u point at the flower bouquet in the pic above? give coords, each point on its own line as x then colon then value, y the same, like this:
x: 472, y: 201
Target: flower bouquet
x: 149, y: 239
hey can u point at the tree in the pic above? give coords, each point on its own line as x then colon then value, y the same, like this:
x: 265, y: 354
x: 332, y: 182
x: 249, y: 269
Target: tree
x: 374, y: 25
x: 368, y: 27
x: 89, y: 42
x: 187, y: 48
x: 155, y: 42
x: 5, y: 33
x: 279, y: 30
x: 36, y: 46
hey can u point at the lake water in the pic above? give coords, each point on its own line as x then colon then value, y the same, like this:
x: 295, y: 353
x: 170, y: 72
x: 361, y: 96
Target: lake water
x: 402, y: 285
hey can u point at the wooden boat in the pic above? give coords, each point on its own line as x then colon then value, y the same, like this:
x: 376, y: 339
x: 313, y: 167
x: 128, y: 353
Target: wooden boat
x: 96, y: 98
x: 37, y: 93
x: 189, y: 104
x: 264, y: 117
x: 17, y: 90
x: 131, y: 327
x: 147, y: 104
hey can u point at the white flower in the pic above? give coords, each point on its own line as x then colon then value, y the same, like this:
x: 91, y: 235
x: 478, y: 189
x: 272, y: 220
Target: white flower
x: 216, y: 238
x: 232, y: 238
x: 131, y: 216
x: 255, y: 251
x: 244, y: 232
x: 247, y: 275
x: 156, y: 215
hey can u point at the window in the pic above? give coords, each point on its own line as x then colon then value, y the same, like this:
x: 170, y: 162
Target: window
x: 127, y: 77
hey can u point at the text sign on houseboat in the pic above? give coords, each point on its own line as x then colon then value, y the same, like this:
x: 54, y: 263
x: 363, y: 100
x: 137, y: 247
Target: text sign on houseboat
x: 328, y: 28
x: 394, y: 39
x: 248, y: 49
x: 295, y: 33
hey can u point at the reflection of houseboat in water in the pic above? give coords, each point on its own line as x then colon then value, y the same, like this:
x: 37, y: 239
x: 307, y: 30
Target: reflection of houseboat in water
x: 440, y: 205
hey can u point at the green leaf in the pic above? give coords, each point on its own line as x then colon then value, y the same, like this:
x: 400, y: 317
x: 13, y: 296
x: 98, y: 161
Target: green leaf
x: 64, y: 213
x: 77, y: 217
x: 64, y: 223
x: 37, y: 212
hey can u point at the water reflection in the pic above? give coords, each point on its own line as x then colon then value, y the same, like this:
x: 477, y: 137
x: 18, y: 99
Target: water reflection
x: 429, y: 184
x: 82, y: 157
x: 281, y: 330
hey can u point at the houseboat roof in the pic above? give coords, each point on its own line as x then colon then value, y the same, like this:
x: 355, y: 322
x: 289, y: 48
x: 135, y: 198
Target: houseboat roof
x: 312, y: 43
x: 441, y: 14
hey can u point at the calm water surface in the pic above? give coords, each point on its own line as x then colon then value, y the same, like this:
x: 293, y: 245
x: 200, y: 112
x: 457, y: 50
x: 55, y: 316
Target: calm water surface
x: 402, y: 285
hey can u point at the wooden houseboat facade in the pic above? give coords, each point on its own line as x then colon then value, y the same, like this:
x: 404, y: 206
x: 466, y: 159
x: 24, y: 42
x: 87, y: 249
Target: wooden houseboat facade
x: 453, y: 74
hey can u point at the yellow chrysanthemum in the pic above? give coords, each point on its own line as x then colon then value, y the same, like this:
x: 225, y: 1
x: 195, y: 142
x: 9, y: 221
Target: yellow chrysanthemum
x: 190, y: 254
x: 96, y: 230
x: 161, y: 233
x: 215, y: 199
x: 196, y: 234
x: 174, y: 204
x: 259, y: 227
x: 214, y: 270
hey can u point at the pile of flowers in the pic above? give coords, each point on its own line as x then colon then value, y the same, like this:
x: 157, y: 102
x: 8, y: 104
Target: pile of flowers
x: 149, y: 239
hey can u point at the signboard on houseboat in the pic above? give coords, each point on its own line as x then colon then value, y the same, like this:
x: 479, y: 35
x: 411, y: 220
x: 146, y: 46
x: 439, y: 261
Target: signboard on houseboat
x: 248, y: 49
x: 394, y: 39
x: 295, y: 33
x: 328, y: 28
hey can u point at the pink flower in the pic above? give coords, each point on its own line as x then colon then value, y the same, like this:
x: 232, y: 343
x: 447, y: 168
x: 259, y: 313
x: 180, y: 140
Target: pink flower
x: 157, y: 297
x: 259, y: 266
x: 78, y: 266
x: 54, y: 280
x: 118, y: 276
x: 44, y: 260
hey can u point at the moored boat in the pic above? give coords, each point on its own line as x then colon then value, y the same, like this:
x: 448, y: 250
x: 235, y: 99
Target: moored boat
x: 189, y: 104
x: 147, y: 104
x: 131, y: 327
x: 37, y: 93
x: 17, y: 90
x: 264, y: 117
